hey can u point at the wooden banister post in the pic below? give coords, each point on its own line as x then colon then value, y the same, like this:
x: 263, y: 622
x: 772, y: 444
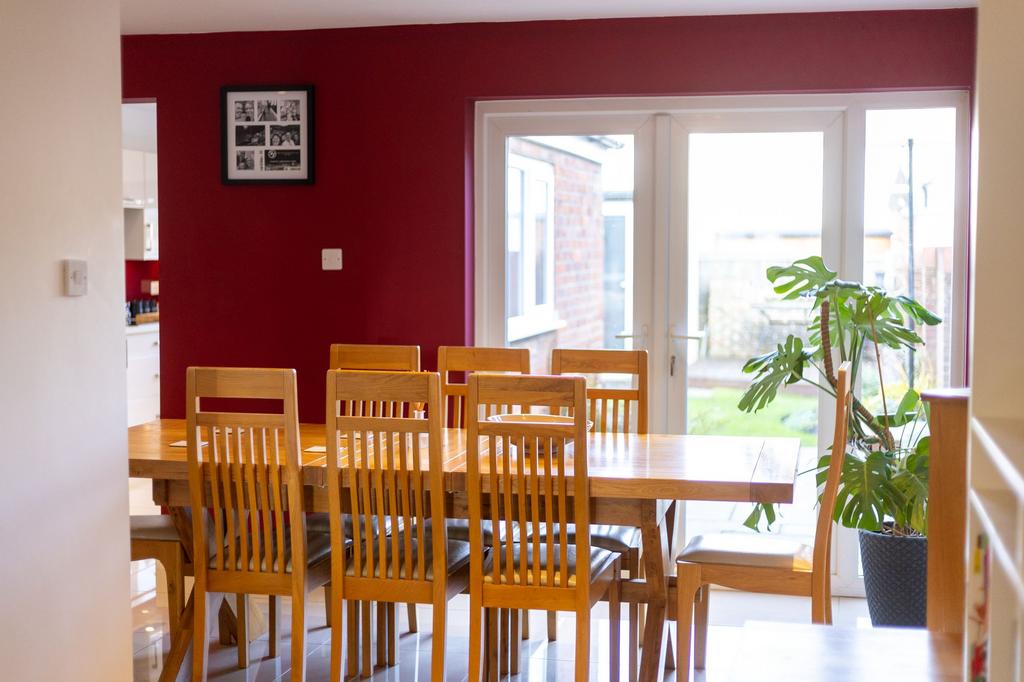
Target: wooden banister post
x: 947, y: 508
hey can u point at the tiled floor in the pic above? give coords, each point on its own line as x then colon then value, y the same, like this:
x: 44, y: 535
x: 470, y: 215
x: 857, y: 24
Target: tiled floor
x: 542, y: 660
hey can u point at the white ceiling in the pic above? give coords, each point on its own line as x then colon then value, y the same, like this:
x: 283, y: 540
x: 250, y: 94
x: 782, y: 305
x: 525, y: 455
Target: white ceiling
x: 205, y: 16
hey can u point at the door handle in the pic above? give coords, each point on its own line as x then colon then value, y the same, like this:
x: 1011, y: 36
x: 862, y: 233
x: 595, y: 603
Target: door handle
x: 699, y: 336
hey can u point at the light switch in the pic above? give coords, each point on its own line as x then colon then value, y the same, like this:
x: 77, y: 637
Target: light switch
x: 76, y: 277
x: 330, y: 259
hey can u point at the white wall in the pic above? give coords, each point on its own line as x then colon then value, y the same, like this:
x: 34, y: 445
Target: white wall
x: 998, y: 334
x: 64, y: 612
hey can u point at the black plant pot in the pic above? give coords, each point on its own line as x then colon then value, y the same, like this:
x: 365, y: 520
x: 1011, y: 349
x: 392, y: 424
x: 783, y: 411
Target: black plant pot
x: 895, y: 578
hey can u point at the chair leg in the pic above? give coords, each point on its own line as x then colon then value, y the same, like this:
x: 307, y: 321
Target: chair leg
x: 437, y: 641
x: 413, y: 623
x: 583, y: 644
x: 172, y: 558
x: 393, y: 634
x: 524, y: 618
x: 274, y: 636
x: 476, y: 643
x: 365, y: 633
x: 200, y: 633
x: 700, y: 627
x: 334, y: 606
x: 298, y: 636
x: 513, y: 642
x: 503, y: 638
x: 242, y: 629
x: 633, y: 569
x: 352, y: 611
x: 382, y: 633
x: 687, y: 587
x: 552, y: 626
x: 614, y: 623
x: 492, y: 644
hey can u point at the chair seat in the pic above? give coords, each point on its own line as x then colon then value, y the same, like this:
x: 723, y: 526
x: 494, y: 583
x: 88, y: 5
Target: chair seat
x: 741, y: 549
x: 619, y: 539
x: 458, y: 556
x: 458, y: 529
x: 320, y: 522
x: 153, y: 527
x: 318, y: 547
x: 600, y: 560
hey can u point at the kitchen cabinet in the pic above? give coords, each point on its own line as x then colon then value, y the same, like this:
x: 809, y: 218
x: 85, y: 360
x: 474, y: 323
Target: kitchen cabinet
x: 141, y: 234
x: 138, y: 179
x: 143, y: 363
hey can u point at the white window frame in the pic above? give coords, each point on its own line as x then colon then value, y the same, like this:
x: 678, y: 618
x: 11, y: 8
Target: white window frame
x: 535, y: 318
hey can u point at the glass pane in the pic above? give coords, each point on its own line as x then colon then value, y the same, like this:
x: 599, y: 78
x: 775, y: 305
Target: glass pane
x: 514, y: 246
x: 575, y: 266
x: 909, y: 182
x: 541, y: 217
x: 755, y: 200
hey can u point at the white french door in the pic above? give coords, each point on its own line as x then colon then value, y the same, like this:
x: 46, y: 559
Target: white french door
x: 692, y: 199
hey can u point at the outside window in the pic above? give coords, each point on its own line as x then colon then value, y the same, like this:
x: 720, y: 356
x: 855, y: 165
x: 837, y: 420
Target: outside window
x: 530, y: 232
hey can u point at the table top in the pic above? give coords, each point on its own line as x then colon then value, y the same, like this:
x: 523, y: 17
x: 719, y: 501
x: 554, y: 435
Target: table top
x: 627, y: 466
x: 797, y: 652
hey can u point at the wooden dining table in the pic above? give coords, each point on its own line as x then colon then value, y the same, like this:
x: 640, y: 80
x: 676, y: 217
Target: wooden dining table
x: 635, y: 480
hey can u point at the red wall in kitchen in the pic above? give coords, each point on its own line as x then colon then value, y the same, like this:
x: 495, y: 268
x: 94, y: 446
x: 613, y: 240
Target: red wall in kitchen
x: 134, y: 272
x: 241, y: 281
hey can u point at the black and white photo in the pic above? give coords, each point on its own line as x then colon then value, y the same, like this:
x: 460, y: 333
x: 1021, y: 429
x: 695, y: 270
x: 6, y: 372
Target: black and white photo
x: 267, y: 134
x: 245, y: 160
x: 266, y: 110
x: 250, y: 136
x: 243, y: 110
x: 288, y: 110
x: 285, y: 136
x: 282, y: 159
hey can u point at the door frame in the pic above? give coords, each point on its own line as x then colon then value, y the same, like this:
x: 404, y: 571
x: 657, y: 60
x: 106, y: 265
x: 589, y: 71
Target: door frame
x: 660, y: 215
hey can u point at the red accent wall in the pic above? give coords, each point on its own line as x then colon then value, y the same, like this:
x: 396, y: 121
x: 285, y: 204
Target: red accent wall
x: 241, y: 281
x: 134, y: 272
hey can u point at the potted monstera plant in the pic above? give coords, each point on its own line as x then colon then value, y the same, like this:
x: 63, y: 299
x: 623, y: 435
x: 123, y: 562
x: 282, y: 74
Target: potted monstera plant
x: 883, y: 488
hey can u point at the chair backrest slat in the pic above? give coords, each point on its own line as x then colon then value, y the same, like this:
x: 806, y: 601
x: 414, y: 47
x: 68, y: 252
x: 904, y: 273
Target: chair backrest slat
x: 821, y: 560
x: 609, y: 408
x: 468, y: 359
x: 529, y: 466
x: 380, y: 459
x: 238, y: 456
x: 376, y: 358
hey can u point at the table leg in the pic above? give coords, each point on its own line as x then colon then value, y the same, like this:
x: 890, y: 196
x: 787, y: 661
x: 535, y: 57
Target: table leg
x: 655, y: 558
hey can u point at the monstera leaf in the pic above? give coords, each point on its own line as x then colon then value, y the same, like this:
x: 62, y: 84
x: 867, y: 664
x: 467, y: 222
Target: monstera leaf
x: 866, y: 491
x: 804, y: 277
x: 783, y: 366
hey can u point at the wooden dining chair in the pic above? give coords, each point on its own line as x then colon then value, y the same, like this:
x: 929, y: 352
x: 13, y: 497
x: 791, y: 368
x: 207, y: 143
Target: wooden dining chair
x: 465, y: 360
x: 154, y: 536
x: 244, y: 471
x: 612, y: 410
x: 388, y: 471
x: 761, y: 563
x: 469, y: 359
x: 533, y: 475
x: 379, y: 358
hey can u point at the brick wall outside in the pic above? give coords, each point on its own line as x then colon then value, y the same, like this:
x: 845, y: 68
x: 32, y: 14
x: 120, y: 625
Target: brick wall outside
x: 579, y: 253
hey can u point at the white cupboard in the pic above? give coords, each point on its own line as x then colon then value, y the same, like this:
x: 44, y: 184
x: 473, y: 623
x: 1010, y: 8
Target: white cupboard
x: 143, y: 362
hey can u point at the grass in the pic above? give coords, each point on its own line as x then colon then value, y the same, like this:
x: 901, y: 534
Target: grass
x: 714, y: 412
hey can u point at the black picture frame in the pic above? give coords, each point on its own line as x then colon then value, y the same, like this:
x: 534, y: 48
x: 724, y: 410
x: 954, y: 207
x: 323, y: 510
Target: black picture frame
x: 251, y: 116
